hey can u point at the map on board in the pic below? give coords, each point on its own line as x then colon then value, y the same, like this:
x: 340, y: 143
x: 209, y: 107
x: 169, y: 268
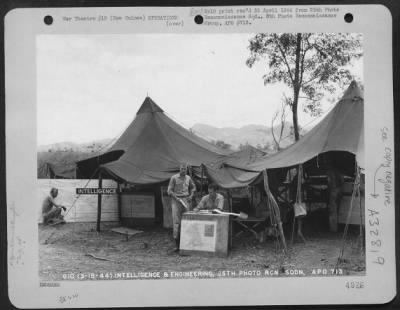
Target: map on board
x: 198, y: 235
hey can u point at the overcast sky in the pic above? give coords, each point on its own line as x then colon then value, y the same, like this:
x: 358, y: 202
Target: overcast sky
x: 90, y: 87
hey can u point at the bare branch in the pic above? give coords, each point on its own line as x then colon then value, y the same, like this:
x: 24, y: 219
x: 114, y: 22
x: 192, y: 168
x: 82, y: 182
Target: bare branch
x: 273, y: 131
x: 283, y: 117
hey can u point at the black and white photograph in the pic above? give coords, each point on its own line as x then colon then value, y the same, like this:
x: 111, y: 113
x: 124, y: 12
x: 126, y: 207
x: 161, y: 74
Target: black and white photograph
x: 228, y: 155
x: 169, y: 149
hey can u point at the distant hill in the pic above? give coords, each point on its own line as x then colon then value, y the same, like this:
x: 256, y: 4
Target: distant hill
x: 255, y: 135
x: 64, y: 155
x: 89, y: 147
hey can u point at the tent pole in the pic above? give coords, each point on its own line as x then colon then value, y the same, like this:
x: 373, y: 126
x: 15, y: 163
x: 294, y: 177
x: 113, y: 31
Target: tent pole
x: 201, y: 180
x: 360, y: 204
x: 119, y: 201
x: 229, y: 194
x: 353, y: 195
x: 99, y: 202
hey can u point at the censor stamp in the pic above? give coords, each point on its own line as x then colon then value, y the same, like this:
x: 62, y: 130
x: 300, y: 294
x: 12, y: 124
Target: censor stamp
x: 183, y: 148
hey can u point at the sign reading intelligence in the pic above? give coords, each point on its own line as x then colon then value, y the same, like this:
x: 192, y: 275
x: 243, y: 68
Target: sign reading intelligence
x: 96, y: 191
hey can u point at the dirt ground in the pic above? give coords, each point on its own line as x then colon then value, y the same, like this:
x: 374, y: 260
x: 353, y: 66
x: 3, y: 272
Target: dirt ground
x: 76, y: 248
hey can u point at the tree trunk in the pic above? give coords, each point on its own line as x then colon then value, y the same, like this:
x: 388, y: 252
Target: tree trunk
x: 296, y: 91
x: 296, y: 88
x: 295, y: 120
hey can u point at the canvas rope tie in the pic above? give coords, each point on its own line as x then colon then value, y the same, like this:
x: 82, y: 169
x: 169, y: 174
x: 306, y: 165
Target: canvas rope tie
x: 72, y: 206
x: 356, y: 191
x: 273, y: 225
x: 275, y: 216
x: 271, y: 211
x: 298, y: 197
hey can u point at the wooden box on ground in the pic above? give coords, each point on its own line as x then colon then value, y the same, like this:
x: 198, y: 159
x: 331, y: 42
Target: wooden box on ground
x: 137, y: 209
x: 204, y: 234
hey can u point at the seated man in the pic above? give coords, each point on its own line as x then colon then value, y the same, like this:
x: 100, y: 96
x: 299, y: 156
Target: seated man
x: 51, y: 211
x: 211, y: 201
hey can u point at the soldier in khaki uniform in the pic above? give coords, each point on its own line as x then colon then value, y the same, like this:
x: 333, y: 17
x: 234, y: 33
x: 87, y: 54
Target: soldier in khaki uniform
x: 181, y: 186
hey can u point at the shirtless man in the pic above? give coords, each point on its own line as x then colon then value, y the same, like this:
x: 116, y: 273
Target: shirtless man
x: 51, y: 211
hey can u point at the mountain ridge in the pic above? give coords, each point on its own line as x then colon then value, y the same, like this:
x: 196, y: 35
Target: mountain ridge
x: 252, y: 134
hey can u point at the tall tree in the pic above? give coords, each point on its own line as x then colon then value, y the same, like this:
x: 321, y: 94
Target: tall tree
x: 309, y: 63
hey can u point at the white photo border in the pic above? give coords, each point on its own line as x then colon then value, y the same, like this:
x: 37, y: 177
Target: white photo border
x: 21, y: 28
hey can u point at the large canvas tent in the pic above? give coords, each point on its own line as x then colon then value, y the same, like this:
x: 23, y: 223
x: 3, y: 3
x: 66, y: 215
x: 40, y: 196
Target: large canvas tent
x: 342, y: 129
x: 151, y: 149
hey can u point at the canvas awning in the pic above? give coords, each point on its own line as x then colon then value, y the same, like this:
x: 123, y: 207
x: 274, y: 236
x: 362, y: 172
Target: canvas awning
x: 342, y: 129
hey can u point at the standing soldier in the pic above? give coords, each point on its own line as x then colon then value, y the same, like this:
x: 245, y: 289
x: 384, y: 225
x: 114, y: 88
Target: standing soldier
x: 181, y: 188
